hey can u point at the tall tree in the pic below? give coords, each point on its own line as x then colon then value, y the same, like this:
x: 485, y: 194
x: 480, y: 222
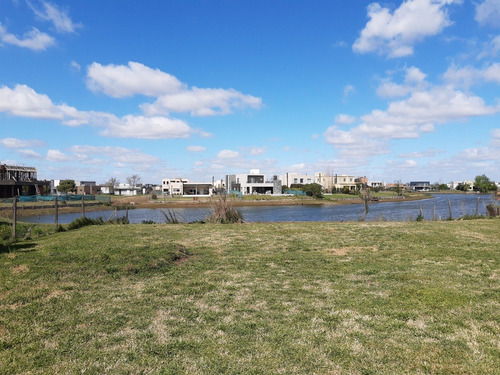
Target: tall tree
x: 66, y: 186
x: 112, y: 182
x: 483, y: 184
x: 133, y: 180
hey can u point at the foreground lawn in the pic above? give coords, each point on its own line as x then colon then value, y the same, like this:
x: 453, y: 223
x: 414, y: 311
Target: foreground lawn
x: 294, y: 298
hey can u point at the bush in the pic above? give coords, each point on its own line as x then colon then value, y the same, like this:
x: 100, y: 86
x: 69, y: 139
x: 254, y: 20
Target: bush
x: 83, y: 222
x: 223, y: 211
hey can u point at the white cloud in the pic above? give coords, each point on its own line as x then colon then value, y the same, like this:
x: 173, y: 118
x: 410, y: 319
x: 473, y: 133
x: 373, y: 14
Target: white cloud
x: 34, y: 39
x: 468, y: 76
x: 25, y: 102
x: 195, y: 148
x: 395, y: 33
x: 62, y: 22
x: 495, y: 138
x: 56, y: 155
x: 488, y: 13
x: 172, y: 95
x: 408, y: 118
x: 30, y: 154
x: 202, y: 102
x: 20, y: 143
x: 344, y: 119
x: 121, y: 155
x: 348, y: 90
x: 144, y: 127
x: 75, y: 65
x: 228, y: 154
x: 414, y: 80
x: 120, y: 81
x: 431, y: 152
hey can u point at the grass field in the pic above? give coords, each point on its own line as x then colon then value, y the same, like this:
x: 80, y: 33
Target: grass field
x: 274, y: 298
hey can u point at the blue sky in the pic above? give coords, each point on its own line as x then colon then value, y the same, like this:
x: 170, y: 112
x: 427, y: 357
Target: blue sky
x: 396, y: 90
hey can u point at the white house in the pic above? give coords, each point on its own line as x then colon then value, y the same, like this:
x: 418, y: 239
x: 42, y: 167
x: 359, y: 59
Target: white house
x: 182, y: 186
x: 252, y: 183
x: 126, y: 189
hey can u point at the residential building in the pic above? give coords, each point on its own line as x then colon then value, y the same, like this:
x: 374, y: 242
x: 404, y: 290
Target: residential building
x: 336, y: 182
x: 87, y: 188
x: 126, y: 189
x: 20, y: 180
x: 252, y: 183
x: 420, y: 186
x: 376, y: 184
x: 182, y: 186
x: 289, y: 179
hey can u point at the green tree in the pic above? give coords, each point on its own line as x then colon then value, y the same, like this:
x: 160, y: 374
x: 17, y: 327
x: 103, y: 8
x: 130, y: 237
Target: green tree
x: 463, y: 187
x: 67, y: 186
x: 313, y: 190
x: 443, y: 187
x: 483, y: 184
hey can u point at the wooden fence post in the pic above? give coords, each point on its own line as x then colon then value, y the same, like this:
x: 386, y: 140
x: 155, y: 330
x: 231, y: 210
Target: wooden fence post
x: 14, y: 218
x: 56, y: 216
x: 83, y: 208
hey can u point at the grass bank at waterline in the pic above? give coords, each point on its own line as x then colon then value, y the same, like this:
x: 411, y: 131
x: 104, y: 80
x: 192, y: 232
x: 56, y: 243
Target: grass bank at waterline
x: 291, y: 298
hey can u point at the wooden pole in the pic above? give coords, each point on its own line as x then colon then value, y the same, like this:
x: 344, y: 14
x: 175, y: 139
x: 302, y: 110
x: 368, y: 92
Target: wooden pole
x: 56, y: 216
x: 14, y: 218
x: 83, y: 207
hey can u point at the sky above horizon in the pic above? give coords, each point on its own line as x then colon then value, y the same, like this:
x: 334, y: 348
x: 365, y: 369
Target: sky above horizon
x: 395, y: 91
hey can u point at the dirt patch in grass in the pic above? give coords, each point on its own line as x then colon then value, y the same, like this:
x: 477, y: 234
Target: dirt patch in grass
x: 22, y: 268
x: 348, y: 250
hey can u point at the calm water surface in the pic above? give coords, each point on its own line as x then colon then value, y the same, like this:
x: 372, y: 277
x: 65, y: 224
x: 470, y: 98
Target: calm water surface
x: 436, y: 207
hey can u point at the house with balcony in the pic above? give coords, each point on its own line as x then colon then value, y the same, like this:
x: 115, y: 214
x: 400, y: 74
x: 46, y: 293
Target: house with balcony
x: 252, y: 183
x: 292, y: 178
x: 332, y: 183
x: 420, y: 186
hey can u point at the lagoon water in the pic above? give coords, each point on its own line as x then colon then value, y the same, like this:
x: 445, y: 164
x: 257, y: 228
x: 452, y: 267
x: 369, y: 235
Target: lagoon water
x: 436, y: 207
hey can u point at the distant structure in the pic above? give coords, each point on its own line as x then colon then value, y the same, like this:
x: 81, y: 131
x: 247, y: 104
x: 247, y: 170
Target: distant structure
x: 252, y: 183
x: 182, y: 186
x: 18, y: 180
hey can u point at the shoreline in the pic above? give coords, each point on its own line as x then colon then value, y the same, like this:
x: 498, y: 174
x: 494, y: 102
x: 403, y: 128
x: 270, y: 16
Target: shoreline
x: 141, y: 202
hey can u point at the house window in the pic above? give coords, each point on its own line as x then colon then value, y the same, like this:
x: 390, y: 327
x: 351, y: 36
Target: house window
x: 295, y: 180
x: 301, y: 180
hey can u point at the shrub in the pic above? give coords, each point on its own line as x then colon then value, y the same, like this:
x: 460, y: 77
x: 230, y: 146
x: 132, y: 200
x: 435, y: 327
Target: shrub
x: 83, y: 222
x: 223, y: 211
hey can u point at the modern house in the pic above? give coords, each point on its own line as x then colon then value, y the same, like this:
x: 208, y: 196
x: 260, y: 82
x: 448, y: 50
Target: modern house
x: 19, y: 180
x: 87, y: 188
x: 182, y: 186
x: 127, y: 190
x: 252, y: 183
x: 420, y: 186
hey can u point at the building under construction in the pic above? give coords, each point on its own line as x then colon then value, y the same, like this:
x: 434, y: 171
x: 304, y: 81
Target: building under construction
x: 19, y: 180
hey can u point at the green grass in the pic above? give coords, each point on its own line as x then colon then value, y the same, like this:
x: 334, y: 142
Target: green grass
x: 294, y: 298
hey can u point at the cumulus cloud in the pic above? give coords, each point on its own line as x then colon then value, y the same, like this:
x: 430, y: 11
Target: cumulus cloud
x: 344, y: 119
x: 431, y: 152
x: 228, y: 154
x: 30, y: 154
x: 121, y: 81
x: 414, y: 80
x: 34, y: 39
x: 488, y: 13
x: 419, y: 113
x: 25, y: 102
x: 56, y: 155
x: 20, y: 143
x: 171, y: 94
x: 195, y: 148
x: 144, y: 127
x: 495, y: 138
x: 468, y: 76
x: 59, y: 18
x: 395, y: 33
x: 116, y: 154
